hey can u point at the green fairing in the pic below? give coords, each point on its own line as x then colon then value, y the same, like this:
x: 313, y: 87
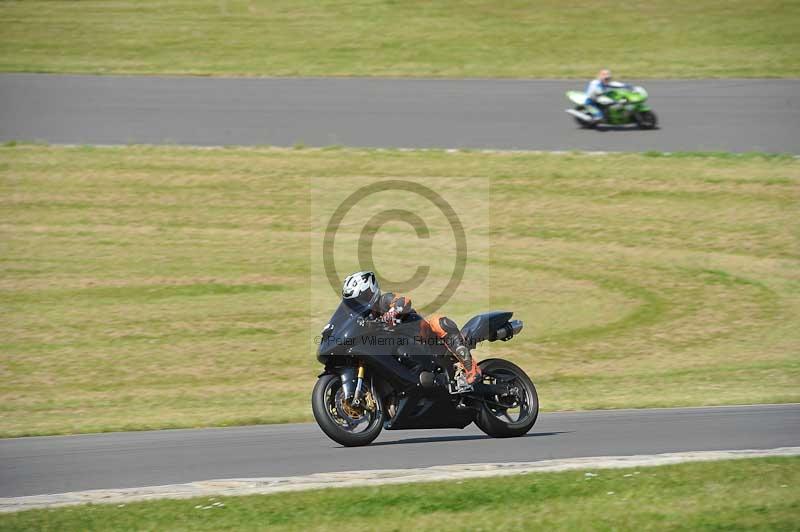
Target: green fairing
x: 629, y: 107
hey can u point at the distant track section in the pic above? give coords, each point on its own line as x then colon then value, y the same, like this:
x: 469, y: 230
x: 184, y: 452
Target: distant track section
x: 695, y: 115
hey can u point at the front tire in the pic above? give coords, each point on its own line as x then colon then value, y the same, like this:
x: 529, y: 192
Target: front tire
x: 344, y: 424
x: 646, y: 119
x: 512, y: 415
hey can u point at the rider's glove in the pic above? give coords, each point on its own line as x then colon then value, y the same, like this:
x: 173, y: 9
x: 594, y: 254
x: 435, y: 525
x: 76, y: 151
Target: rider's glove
x: 390, y: 317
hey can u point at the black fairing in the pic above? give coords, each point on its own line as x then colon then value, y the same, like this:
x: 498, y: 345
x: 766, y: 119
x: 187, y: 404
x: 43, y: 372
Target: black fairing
x: 484, y: 326
x: 355, y: 334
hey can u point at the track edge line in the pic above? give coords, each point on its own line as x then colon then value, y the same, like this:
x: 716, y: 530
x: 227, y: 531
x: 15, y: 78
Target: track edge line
x: 269, y: 485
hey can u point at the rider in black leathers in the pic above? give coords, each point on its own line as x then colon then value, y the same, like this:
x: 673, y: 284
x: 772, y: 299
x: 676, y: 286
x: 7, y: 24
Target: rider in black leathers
x: 394, y: 309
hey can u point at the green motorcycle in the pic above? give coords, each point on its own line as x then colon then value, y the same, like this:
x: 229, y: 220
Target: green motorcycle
x: 623, y: 104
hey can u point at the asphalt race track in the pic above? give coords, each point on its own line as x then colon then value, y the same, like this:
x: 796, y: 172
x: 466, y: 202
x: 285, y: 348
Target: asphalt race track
x: 695, y: 115
x: 56, y: 464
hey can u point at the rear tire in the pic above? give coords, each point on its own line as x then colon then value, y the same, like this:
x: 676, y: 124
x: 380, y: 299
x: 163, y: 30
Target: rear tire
x: 582, y: 123
x: 325, y: 391
x: 490, y: 419
x: 647, y: 119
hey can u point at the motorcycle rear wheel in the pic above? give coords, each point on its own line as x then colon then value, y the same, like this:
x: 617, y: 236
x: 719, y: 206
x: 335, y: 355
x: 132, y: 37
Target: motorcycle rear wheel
x: 583, y: 123
x: 508, y: 416
x: 335, y: 416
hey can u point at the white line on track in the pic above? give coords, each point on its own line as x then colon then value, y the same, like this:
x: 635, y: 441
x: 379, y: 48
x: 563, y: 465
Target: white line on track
x: 268, y: 147
x: 253, y: 486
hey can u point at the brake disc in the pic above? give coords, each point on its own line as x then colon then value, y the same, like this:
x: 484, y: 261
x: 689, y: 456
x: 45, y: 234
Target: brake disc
x: 352, y: 415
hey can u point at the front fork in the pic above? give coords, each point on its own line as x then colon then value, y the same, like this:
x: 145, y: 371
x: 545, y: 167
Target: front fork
x: 359, y: 386
x: 349, y: 376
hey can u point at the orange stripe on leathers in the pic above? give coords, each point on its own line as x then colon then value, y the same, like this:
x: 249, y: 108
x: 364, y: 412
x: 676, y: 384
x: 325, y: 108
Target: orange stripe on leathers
x: 435, y: 326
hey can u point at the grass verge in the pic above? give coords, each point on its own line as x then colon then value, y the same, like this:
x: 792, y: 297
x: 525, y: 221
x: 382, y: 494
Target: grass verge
x: 158, y: 287
x: 447, y: 38
x: 753, y: 494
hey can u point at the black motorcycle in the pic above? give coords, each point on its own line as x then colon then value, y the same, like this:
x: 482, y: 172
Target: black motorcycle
x: 395, y: 377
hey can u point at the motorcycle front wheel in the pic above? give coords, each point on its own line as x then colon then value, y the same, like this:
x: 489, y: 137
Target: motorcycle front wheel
x: 646, y: 119
x: 344, y: 423
x: 508, y: 415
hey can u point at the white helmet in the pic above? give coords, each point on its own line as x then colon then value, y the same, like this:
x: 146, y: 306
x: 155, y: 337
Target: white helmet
x: 362, y: 288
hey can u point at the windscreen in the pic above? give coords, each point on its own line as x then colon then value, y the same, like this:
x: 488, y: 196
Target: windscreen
x: 352, y: 306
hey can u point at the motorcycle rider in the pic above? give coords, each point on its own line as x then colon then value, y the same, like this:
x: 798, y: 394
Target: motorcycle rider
x: 596, y: 100
x: 392, y: 309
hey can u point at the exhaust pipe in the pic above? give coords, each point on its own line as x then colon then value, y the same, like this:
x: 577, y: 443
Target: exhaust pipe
x: 580, y: 115
x: 507, y: 331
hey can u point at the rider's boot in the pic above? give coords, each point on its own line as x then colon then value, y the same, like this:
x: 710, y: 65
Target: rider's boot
x: 466, y: 368
x: 469, y: 363
x: 597, y: 112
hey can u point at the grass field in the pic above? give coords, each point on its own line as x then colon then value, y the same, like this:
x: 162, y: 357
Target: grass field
x: 754, y: 494
x: 447, y: 38
x: 146, y: 287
